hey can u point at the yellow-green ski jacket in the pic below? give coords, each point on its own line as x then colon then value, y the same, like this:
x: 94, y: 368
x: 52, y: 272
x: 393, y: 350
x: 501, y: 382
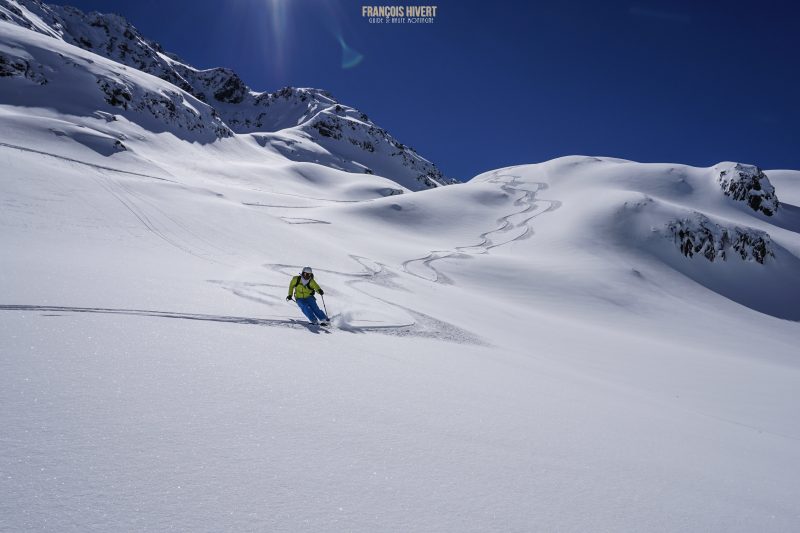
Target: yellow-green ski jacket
x: 300, y: 290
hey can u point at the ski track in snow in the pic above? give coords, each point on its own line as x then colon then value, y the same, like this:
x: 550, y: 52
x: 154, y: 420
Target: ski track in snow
x: 513, y: 227
x: 288, y: 322
x: 155, y: 220
x: 423, y: 325
x: 376, y: 274
x: 296, y: 220
x: 329, y: 200
x: 516, y: 224
x: 251, y: 204
x: 77, y: 161
x: 255, y: 292
x: 146, y: 211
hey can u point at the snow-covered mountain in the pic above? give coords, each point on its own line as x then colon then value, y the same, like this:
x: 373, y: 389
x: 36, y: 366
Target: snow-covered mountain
x: 582, y: 344
x: 303, y: 124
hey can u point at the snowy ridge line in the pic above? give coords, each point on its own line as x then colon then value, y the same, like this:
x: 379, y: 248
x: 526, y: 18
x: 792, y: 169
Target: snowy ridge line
x: 71, y: 160
x: 530, y: 203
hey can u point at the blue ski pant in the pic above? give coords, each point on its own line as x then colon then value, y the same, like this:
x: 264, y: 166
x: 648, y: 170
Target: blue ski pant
x: 310, y: 308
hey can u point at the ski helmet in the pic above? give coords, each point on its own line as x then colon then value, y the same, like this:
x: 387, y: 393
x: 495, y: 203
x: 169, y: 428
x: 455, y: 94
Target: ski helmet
x: 307, y: 269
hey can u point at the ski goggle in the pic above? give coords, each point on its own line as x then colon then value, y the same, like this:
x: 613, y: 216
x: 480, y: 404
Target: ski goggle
x: 306, y: 274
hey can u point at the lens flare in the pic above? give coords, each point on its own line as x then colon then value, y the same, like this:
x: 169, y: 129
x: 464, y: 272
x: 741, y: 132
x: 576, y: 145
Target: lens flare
x: 278, y: 15
x: 350, y: 57
x: 281, y: 21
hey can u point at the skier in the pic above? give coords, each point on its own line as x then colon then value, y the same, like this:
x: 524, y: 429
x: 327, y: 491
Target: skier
x: 304, y: 287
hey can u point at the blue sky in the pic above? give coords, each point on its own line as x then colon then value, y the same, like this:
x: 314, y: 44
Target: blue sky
x: 491, y: 84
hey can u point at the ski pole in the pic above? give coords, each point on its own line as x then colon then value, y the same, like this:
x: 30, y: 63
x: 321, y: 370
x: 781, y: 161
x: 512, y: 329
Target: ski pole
x: 325, y: 307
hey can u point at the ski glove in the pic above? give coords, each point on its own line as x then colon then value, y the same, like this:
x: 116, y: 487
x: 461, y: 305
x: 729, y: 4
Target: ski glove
x: 321, y: 292
x: 288, y: 298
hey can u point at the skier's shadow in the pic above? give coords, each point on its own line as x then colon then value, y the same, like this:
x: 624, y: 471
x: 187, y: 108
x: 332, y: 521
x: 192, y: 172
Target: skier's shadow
x: 312, y: 328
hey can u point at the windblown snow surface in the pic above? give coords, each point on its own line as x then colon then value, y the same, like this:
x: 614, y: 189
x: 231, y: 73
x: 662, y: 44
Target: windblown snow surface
x: 528, y: 351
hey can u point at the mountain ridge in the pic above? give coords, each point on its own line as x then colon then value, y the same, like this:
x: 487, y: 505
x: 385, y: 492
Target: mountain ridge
x: 357, y: 144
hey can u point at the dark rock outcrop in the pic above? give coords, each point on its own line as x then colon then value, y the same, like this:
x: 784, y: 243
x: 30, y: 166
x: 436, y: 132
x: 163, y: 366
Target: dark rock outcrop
x: 749, y: 184
x: 698, y: 235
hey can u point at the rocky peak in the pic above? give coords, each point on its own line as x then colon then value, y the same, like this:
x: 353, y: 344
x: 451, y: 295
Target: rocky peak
x: 748, y: 184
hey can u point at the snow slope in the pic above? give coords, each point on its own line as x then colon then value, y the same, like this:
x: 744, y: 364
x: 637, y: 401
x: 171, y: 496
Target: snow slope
x: 532, y: 350
x: 788, y: 181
